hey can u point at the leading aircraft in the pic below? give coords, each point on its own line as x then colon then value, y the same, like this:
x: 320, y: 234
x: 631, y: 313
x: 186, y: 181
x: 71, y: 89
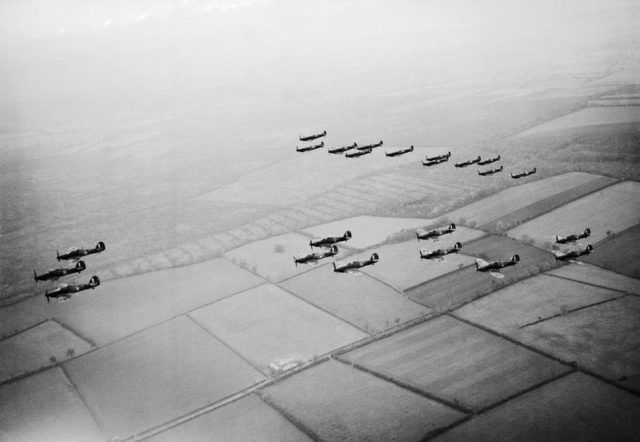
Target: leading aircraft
x: 444, y: 157
x: 435, y: 233
x: 343, y: 148
x: 316, y: 256
x: 314, y: 136
x: 73, y: 254
x: 439, y: 253
x: 489, y: 171
x: 564, y: 256
x: 64, y: 291
x: 358, y: 153
x: 371, y: 146
x: 523, y: 174
x: 396, y: 153
x: 494, y: 267
x: 59, y: 273
x: 468, y: 163
x: 573, y: 237
x: 329, y: 240
x: 308, y: 148
x: 353, y: 265
x: 488, y: 161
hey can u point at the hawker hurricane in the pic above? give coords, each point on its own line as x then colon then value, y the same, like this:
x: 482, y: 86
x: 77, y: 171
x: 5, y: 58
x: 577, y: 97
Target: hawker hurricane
x: 397, y: 153
x: 316, y: 256
x: 73, y: 254
x: 308, y: 148
x: 329, y: 240
x: 65, y: 291
x: 435, y: 233
x: 59, y: 273
x: 573, y: 237
x: 523, y: 174
x: 354, y: 265
x: 314, y: 136
x: 493, y: 267
x: 440, y: 253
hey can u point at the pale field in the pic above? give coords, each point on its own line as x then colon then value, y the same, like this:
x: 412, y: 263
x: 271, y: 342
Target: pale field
x: 266, y: 324
x: 458, y: 362
x: 614, y: 209
x: 517, y: 197
x: 32, y: 349
x: 595, y: 275
x: 341, y: 403
x: 363, y: 301
x: 45, y: 408
x: 588, y: 116
x: 603, y: 338
x: 367, y: 230
x: 249, y: 419
x: 577, y: 407
x: 530, y: 300
x: 158, y: 375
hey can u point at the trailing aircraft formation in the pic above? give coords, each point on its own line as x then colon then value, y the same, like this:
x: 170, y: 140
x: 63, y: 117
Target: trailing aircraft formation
x: 65, y: 291
x: 355, y: 151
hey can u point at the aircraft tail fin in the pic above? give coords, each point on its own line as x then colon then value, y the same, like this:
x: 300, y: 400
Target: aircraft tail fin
x: 94, y: 281
x: 46, y: 295
x: 515, y: 258
x: 57, y: 255
x: 80, y: 265
x: 295, y: 261
x: 35, y: 276
x: 335, y: 269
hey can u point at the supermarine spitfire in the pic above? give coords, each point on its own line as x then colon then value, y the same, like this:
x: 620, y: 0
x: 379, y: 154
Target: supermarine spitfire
x: 358, y: 153
x: 329, y: 240
x: 316, y: 256
x: 493, y: 267
x: 488, y: 161
x: 354, y: 265
x: 564, y: 256
x: 343, y: 148
x: 489, y: 171
x: 440, y: 253
x: 64, y: 291
x: 468, y: 163
x: 396, y: 153
x: 308, y: 148
x: 435, y: 233
x: 573, y: 237
x: 444, y: 157
x: 523, y: 174
x: 370, y: 146
x: 74, y: 254
x: 314, y: 136
x: 434, y: 162
x: 59, y: 273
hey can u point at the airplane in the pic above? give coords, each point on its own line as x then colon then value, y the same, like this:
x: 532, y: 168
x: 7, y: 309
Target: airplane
x: 523, y: 174
x: 329, y: 240
x: 399, y: 152
x: 573, y: 237
x: 434, y: 162
x: 370, y: 146
x: 353, y: 265
x: 64, y: 291
x: 468, y: 163
x: 358, y: 153
x: 494, y: 267
x: 562, y: 256
x: 439, y: 253
x: 490, y: 171
x: 313, y: 137
x: 58, y: 273
x: 438, y: 157
x: 343, y: 149
x: 73, y: 254
x: 489, y: 161
x: 433, y: 234
x: 308, y: 148
x: 315, y: 257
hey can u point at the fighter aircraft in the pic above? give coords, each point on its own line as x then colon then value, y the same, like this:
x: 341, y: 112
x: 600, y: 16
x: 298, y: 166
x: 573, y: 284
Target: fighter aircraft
x: 343, y: 149
x: 73, y: 254
x: 396, y: 153
x: 564, y: 256
x: 64, y: 291
x: 434, y: 162
x: 435, y: 233
x: 316, y: 256
x: 58, y: 273
x: 370, y: 146
x: 468, y: 163
x: 438, y: 157
x: 358, y: 153
x: 439, y: 253
x: 329, y: 240
x: 573, y: 237
x: 308, y: 148
x: 523, y: 174
x: 489, y: 171
x: 494, y: 267
x: 313, y: 137
x: 353, y: 265
x: 489, y: 161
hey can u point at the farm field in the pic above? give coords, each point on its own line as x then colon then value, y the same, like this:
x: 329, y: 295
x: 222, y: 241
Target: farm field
x: 248, y: 419
x: 575, y: 407
x: 158, y: 375
x: 34, y: 348
x: 340, y: 403
x: 268, y: 325
x: 358, y: 299
x: 26, y: 411
x: 455, y: 289
x: 272, y: 258
x: 537, y: 298
x: 612, y: 209
x: 367, y: 230
x: 457, y: 362
x: 518, y: 197
x: 590, y: 274
x: 619, y: 253
x: 603, y: 338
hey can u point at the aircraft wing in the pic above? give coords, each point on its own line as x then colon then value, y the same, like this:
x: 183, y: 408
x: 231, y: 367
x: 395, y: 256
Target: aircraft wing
x: 481, y: 262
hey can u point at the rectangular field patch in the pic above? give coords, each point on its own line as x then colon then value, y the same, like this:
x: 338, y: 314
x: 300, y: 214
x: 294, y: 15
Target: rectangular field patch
x: 590, y: 274
x: 620, y: 253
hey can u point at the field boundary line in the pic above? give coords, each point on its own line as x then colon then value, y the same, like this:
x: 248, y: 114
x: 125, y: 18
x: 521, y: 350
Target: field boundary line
x: 74, y: 331
x: 591, y: 283
x: 288, y: 416
x: 415, y: 286
x: 18, y: 332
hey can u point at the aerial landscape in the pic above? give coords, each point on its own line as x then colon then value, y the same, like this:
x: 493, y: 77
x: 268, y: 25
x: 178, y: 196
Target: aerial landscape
x: 269, y: 220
